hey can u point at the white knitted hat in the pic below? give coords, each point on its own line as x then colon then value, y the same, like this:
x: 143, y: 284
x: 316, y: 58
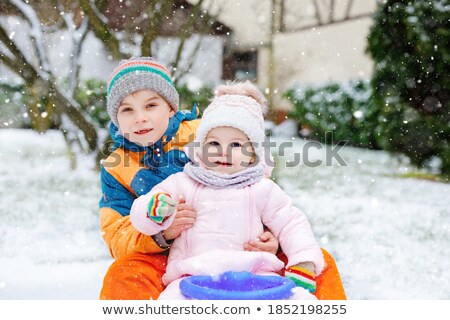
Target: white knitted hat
x: 241, y: 106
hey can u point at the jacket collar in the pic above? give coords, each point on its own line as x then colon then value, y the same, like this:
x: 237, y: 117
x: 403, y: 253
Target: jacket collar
x: 152, y: 158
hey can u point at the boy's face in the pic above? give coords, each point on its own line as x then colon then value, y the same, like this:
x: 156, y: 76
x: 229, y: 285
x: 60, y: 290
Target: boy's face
x: 143, y: 117
x: 227, y: 150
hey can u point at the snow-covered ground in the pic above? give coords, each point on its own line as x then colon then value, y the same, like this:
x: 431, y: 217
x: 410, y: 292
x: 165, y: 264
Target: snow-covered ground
x: 389, y: 235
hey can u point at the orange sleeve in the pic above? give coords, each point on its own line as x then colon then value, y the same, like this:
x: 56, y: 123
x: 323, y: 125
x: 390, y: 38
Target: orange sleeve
x: 185, y: 134
x: 122, y: 238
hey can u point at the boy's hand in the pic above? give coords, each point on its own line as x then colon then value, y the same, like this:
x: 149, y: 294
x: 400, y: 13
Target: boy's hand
x: 160, y: 207
x: 184, y: 219
x: 266, y: 242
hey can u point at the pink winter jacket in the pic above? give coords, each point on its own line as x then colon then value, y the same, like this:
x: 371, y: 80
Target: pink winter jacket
x: 226, y: 219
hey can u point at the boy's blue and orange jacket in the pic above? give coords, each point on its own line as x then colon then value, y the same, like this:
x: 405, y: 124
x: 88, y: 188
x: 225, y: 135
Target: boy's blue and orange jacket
x: 132, y: 170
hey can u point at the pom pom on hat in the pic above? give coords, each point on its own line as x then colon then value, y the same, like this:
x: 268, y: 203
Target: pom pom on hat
x: 244, y: 89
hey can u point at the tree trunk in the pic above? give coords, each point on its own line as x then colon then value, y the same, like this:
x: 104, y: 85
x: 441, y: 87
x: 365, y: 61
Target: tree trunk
x: 68, y: 106
x: 39, y: 111
x: 271, y: 72
x: 104, y: 151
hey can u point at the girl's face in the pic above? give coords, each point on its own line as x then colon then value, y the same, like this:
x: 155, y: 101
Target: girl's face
x: 227, y: 150
x: 143, y: 117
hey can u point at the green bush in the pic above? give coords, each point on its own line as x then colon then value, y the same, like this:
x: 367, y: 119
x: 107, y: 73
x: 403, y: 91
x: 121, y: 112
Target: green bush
x: 344, y: 109
x: 408, y: 110
x: 201, y: 97
x: 409, y: 42
x: 13, y: 112
x: 91, y: 95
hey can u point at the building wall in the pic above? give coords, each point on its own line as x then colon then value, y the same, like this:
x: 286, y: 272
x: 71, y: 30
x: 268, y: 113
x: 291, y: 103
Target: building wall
x: 329, y: 54
x: 333, y: 53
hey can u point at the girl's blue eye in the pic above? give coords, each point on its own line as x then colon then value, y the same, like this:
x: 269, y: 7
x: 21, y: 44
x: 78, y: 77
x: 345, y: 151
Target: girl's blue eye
x: 236, y: 145
x: 213, y: 143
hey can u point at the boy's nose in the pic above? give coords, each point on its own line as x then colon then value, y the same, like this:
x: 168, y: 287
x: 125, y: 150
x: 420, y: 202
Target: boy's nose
x: 141, y: 117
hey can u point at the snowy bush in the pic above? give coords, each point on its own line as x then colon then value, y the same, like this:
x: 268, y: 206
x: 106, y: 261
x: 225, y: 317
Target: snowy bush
x: 409, y: 43
x: 344, y: 110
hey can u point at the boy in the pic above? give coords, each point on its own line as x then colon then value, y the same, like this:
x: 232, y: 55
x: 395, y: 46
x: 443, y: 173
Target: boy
x: 149, y: 133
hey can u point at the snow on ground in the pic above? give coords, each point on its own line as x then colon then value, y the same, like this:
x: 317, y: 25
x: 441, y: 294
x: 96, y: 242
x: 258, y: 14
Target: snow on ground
x: 51, y: 247
x: 389, y: 235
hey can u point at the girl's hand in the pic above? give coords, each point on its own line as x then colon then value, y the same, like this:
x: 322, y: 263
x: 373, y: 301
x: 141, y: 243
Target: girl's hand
x: 184, y: 219
x: 266, y: 242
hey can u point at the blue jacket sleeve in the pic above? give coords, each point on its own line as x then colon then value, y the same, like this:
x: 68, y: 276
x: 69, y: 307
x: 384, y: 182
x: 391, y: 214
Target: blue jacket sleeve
x: 115, y: 195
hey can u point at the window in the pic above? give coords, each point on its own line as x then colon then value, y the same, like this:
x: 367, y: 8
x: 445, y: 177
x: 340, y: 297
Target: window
x: 241, y: 66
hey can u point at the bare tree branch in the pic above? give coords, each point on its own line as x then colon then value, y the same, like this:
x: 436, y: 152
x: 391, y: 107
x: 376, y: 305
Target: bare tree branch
x: 19, y: 64
x: 272, y: 62
x: 101, y: 4
x: 317, y: 12
x: 309, y: 27
x: 10, y: 63
x: 282, y: 24
x: 331, y: 11
x: 56, y: 25
x: 152, y: 29
x: 77, y: 35
x: 196, y: 9
x: 325, y: 4
x: 99, y: 26
x: 35, y: 34
x: 190, y: 61
x: 63, y: 104
x: 348, y: 8
x: 78, y: 40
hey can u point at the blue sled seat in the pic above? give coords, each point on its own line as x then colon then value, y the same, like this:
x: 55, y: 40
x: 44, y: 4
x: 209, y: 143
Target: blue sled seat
x: 237, y: 286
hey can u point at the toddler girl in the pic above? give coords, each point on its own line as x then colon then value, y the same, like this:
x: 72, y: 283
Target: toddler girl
x: 226, y: 185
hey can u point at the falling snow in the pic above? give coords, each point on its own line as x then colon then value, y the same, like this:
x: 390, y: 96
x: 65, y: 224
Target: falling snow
x: 381, y: 229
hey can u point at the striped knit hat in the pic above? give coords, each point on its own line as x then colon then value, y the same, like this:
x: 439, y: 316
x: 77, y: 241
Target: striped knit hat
x: 137, y: 74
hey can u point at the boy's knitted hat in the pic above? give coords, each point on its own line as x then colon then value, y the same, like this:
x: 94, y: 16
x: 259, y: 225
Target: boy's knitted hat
x: 239, y: 105
x: 137, y: 74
